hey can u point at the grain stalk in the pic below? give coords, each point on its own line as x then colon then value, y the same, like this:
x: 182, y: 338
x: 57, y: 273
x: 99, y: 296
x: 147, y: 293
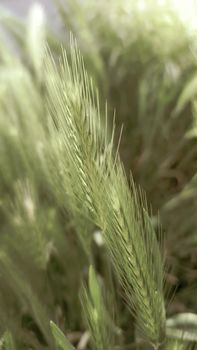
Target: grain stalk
x: 95, y: 178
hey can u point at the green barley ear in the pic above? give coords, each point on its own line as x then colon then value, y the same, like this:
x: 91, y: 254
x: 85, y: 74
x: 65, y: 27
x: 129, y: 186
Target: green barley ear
x: 131, y: 241
x: 95, y: 313
x: 95, y: 181
x: 60, y: 338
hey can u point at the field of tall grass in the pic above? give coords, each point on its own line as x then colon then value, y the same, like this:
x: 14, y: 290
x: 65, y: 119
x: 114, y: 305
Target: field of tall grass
x: 98, y: 178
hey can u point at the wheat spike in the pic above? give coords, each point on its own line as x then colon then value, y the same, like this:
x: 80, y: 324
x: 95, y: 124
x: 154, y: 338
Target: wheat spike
x: 97, y: 181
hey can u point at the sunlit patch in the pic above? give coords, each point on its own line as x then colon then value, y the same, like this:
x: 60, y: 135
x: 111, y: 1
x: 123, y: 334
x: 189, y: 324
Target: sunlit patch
x: 187, y: 10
